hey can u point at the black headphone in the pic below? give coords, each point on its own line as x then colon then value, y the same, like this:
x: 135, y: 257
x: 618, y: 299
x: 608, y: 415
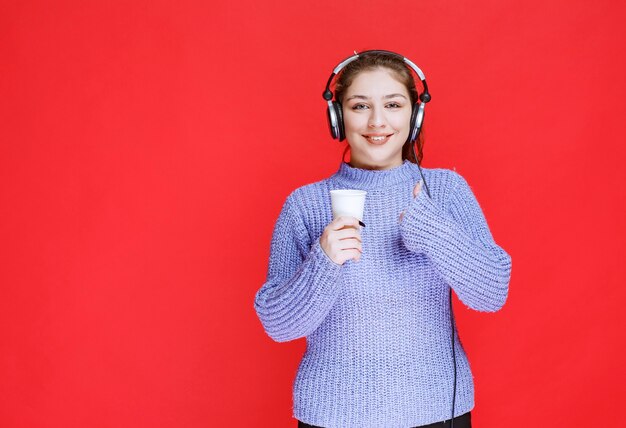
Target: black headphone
x: 335, y: 113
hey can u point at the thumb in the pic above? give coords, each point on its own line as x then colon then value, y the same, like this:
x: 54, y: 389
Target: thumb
x: 417, y: 189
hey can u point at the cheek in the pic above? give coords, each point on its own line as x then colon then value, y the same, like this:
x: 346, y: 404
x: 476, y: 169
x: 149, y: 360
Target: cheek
x: 403, y: 122
x: 352, y: 121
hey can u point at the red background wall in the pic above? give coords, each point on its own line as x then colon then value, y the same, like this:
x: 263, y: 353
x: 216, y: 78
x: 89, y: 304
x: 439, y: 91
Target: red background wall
x: 147, y: 147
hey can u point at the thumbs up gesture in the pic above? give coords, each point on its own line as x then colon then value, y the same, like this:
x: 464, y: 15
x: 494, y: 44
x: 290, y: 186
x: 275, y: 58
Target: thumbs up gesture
x: 416, y: 191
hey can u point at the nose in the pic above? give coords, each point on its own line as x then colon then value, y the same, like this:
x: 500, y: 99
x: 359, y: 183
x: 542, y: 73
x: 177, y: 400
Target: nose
x: 377, y: 118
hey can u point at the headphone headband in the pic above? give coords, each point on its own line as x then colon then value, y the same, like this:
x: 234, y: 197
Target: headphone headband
x: 328, y: 95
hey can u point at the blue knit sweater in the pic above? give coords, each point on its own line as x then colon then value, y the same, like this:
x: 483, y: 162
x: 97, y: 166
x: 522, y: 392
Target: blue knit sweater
x: 377, y: 331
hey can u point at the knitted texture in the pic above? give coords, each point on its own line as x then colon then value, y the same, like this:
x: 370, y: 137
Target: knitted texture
x: 378, y: 331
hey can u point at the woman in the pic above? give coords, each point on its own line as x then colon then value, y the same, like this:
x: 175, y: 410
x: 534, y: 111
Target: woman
x: 374, y: 303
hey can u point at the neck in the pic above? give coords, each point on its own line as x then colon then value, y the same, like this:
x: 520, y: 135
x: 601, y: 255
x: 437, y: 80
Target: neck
x: 355, y: 163
x: 351, y: 177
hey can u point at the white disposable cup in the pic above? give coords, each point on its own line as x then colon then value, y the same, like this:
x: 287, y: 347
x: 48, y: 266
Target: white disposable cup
x: 348, y: 202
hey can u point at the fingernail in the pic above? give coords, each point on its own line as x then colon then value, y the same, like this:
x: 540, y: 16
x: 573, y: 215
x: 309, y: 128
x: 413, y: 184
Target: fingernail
x: 361, y: 223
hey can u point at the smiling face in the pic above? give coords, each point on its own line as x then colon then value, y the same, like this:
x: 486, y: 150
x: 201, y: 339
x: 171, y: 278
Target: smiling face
x: 376, y: 114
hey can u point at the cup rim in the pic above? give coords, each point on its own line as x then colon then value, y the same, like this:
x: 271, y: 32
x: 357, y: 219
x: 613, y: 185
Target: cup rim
x: 348, y: 192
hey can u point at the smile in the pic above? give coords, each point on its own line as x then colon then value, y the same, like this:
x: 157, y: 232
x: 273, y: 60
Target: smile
x: 377, y: 139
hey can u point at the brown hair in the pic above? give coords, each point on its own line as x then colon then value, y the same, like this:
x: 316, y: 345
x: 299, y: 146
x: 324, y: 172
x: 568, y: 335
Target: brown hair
x: 393, y: 63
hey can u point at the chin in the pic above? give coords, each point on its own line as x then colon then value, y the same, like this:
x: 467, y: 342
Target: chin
x: 373, y: 162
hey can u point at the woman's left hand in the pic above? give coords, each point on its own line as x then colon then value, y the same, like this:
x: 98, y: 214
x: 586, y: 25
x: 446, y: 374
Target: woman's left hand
x: 416, y: 191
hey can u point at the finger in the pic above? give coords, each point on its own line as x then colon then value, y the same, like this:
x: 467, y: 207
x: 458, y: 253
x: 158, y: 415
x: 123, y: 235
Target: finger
x: 349, y: 244
x: 343, y: 221
x: 352, y: 255
x: 348, y: 233
x: 349, y: 255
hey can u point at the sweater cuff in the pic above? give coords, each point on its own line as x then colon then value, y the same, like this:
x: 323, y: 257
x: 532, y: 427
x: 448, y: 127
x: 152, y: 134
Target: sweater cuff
x: 423, y: 224
x: 321, y: 259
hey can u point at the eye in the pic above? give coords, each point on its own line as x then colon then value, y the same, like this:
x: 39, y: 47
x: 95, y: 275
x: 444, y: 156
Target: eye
x: 359, y: 106
x: 393, y: 105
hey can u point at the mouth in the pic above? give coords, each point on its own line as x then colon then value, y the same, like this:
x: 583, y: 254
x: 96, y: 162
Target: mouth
x: 377, y: 139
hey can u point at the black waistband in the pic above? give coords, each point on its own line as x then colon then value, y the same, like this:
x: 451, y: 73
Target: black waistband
x: 462, y: 421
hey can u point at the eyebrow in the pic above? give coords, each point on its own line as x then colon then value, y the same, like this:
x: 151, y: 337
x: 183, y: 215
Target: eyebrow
x: 363, y: 97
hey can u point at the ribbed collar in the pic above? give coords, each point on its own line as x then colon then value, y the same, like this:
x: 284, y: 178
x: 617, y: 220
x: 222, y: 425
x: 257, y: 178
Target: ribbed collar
x: 357, y: 178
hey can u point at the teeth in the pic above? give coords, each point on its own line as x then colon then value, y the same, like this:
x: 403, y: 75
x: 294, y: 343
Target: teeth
x: 378, y: 138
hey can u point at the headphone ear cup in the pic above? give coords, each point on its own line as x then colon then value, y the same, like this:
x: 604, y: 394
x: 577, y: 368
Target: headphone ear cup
x: 339, y: 111
x: 414, y: 125
x: 334, y: 114
x: 331, y: 115
x: 417, y: 117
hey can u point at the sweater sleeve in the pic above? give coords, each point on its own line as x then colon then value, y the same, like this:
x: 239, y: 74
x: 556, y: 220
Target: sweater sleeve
x: 460, y: 245
x: 302, y: 281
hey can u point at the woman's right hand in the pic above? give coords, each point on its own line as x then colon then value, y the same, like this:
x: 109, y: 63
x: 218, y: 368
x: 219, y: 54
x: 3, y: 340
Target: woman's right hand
x: 341, y: 240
